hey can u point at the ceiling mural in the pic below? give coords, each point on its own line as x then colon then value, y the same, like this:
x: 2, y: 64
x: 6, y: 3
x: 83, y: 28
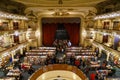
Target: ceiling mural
x: 108, y: 6
x: 56, y: 2
x: 59, y: 7
x: 12, y: 7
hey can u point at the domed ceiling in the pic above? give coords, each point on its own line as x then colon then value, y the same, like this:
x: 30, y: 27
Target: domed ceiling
x: 57, y: 2
x: 40, y: 7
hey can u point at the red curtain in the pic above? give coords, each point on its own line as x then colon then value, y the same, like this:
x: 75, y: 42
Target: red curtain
x: 49, y: 30
x: 73, y: 31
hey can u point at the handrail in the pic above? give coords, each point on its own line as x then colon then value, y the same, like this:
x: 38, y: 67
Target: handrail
x: 53, y: 67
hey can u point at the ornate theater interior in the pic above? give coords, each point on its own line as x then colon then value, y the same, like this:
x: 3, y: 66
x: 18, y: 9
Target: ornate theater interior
x: 59, y: 40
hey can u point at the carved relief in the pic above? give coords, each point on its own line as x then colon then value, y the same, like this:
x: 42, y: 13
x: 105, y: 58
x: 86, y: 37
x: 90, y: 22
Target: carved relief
x: 89, y: 19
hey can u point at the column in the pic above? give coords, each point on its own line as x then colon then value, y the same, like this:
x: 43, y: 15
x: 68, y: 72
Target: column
x: 108, y: 55
x: 27, y: 47
x: 12, y: 39
x: 12, y: 54
x: 39, y: 32
x: 82, y: 28
x: 21, y: 51
x: 100, y: 52
x: 20, y: 38
x: 24, y: 37
x: 11, y: 24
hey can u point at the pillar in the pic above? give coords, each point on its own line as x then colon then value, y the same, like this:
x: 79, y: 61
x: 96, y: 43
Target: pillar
x: 21, y: 51
x: 39, y: 32
x: 82, y: 28
x: 108, y: 55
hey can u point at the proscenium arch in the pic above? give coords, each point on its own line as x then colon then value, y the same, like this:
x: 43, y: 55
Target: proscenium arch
x: 39, y: 28
x: 60, y: 29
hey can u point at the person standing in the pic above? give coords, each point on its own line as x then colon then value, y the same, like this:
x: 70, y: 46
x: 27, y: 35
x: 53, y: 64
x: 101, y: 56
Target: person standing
x: 69, y: 43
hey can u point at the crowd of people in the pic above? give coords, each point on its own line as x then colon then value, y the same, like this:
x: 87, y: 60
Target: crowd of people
x: 61, y: 45
x: 82, y: 63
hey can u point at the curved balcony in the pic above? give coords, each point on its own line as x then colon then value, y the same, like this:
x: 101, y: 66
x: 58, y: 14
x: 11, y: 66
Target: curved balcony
x: 58, y: 72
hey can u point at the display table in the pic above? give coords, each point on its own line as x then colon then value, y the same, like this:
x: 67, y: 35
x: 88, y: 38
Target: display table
x: 103, y: 72
x: 9, y: 68
x: 94, y: 62
x: 95, y: 66
x: 8, y: 78
x: 14, y: 73
x: 112, y: 78
x: 15, y: 60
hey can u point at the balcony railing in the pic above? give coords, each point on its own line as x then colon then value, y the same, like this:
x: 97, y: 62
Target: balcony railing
x: 114, y: 52
x: 53, y: 67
